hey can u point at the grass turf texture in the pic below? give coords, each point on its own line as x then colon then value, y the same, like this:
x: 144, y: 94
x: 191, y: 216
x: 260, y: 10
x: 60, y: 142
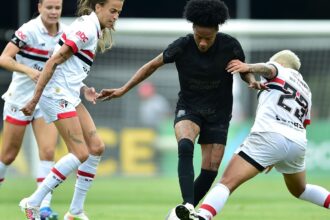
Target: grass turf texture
x: 150, y: 198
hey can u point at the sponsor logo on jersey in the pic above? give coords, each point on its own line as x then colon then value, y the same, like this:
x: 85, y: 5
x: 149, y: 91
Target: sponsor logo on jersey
x: 82, y: 36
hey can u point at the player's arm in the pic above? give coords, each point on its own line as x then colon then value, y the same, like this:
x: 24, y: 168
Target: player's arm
x: 58, y: 58
x: 266, y: 70
x: 8, y: 62
x: 141, y: 74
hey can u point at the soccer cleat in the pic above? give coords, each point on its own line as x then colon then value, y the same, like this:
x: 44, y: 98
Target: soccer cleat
x: 31, y: 212
x: 81, y: 216
x: 186, y: 212
x: 46, y: 213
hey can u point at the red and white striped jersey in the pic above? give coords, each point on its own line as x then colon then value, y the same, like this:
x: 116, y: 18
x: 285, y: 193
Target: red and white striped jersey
x: 82, y: 36
x: 286, y: 107
x: 36, y: 46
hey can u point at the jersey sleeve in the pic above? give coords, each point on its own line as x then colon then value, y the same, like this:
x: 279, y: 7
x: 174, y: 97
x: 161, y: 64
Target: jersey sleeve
x: 79, y: 35
x: 23, y: 36
x: 238, y: 51
x: 174, y: 50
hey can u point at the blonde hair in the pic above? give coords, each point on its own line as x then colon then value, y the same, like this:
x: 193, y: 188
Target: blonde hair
x: 86, y: 7
x: 287, y: 58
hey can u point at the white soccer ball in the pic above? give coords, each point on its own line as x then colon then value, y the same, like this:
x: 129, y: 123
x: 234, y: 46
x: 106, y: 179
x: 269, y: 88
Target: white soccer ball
x: 171, y: 215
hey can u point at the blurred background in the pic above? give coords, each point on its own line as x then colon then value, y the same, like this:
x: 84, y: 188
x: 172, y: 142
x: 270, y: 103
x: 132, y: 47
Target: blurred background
x: 138, y: 128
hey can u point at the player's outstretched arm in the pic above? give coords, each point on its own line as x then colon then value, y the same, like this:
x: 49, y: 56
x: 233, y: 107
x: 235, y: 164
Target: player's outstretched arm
x: 144, y: 72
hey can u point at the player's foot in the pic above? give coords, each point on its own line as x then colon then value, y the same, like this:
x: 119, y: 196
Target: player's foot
x: 81, y: 216
x: 46, y: 213
x: 31, y: 212
x: 186, y: 212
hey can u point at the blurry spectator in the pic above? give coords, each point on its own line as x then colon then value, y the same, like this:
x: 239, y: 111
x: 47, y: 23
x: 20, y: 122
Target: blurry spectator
x: 154, y: 109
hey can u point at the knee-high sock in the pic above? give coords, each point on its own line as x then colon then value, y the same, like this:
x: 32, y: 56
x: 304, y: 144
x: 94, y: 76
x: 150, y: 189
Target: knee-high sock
x: 3, y: 171
x: 214, y: 201
x: 317, y: 195
x: 186, y: 170
x: 58, y: 174
x: 203, y: 183
x: 85, y: 177
x: 43, y: 170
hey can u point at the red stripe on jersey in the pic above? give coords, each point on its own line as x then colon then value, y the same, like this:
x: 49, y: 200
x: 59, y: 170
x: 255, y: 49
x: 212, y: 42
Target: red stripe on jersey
x: 209, y: 208
x: 278, y: 80
x: 66, y: 115
x: 36, y: 51
x: 70, y: 43
x: 88, y: 53
x: 15, y: 121
x: 82, y: 173
x: 57, y: 173
x: 40, y: 180
x: 327, y: 202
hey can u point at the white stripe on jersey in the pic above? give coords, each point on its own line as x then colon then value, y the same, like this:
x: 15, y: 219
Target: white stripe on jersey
x: 286, y: 107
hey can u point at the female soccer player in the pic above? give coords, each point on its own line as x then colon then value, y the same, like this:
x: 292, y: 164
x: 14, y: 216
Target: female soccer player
x: 58, y: 90
x: 26, y: 54
x: 205, y: 101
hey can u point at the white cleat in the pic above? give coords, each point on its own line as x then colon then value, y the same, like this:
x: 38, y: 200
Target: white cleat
x: 31, y: 212
x: 81, y: 216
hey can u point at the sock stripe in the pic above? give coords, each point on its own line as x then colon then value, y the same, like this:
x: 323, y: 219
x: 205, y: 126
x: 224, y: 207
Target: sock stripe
x: 56, y: 172
x: 40, y: 180
x: 327, y: 202
x: 209, y: 208
x: 85, y: 174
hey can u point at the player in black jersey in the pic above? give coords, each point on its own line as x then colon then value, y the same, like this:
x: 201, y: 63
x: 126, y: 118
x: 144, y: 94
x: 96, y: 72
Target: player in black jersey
x: 205, y: 100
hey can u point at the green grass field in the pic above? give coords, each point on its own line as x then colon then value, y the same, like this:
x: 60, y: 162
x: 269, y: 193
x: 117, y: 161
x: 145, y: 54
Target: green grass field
x: 150, y: 198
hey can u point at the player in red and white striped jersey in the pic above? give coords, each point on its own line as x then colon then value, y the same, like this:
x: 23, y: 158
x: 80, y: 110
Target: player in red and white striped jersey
x: 26, y: 54
x: 58, y: 90
x: 277, y: 138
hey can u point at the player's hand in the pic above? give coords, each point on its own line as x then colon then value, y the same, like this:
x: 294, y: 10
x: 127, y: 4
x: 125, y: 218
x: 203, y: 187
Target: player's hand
x: 257, y: 85
x: 108, y: 94
x: 34, y: 75
x: 90, y: 94
x: 237, y: 66
x: 28, y: 109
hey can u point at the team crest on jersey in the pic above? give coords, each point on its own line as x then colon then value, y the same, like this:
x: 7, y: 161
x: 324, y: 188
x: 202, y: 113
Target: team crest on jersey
x: 63, y: 104
x: 13, y: 108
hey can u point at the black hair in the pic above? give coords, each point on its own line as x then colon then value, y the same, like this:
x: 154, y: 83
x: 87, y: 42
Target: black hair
x: 206, y: 13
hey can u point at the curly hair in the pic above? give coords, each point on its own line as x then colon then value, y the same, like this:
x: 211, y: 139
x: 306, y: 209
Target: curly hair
x: 206, y: 13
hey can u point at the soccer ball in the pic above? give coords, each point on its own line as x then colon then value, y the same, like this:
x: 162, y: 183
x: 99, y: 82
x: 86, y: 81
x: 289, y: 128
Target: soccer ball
x: 171, y: 215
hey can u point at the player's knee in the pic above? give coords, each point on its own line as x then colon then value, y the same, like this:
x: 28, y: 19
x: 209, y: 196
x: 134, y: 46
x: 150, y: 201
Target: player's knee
x: 186, y: 148
x: 47, y: 153
x: 97, y: 148
x: 8, y: 158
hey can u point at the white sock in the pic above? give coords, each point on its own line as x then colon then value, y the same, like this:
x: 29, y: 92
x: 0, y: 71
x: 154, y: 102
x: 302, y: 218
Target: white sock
x: 214, y: 201
x: 58, y: 174
x: 317, y: 195
x: 3, y: 171
x: 85, y: 177
x: 43, y: 170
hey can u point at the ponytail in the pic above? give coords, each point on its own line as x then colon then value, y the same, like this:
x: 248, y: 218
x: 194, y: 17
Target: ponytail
x: 106, y: 41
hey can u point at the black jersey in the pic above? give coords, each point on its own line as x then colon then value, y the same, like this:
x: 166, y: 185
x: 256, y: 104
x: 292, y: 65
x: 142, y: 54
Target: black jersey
x: 205, y: 85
